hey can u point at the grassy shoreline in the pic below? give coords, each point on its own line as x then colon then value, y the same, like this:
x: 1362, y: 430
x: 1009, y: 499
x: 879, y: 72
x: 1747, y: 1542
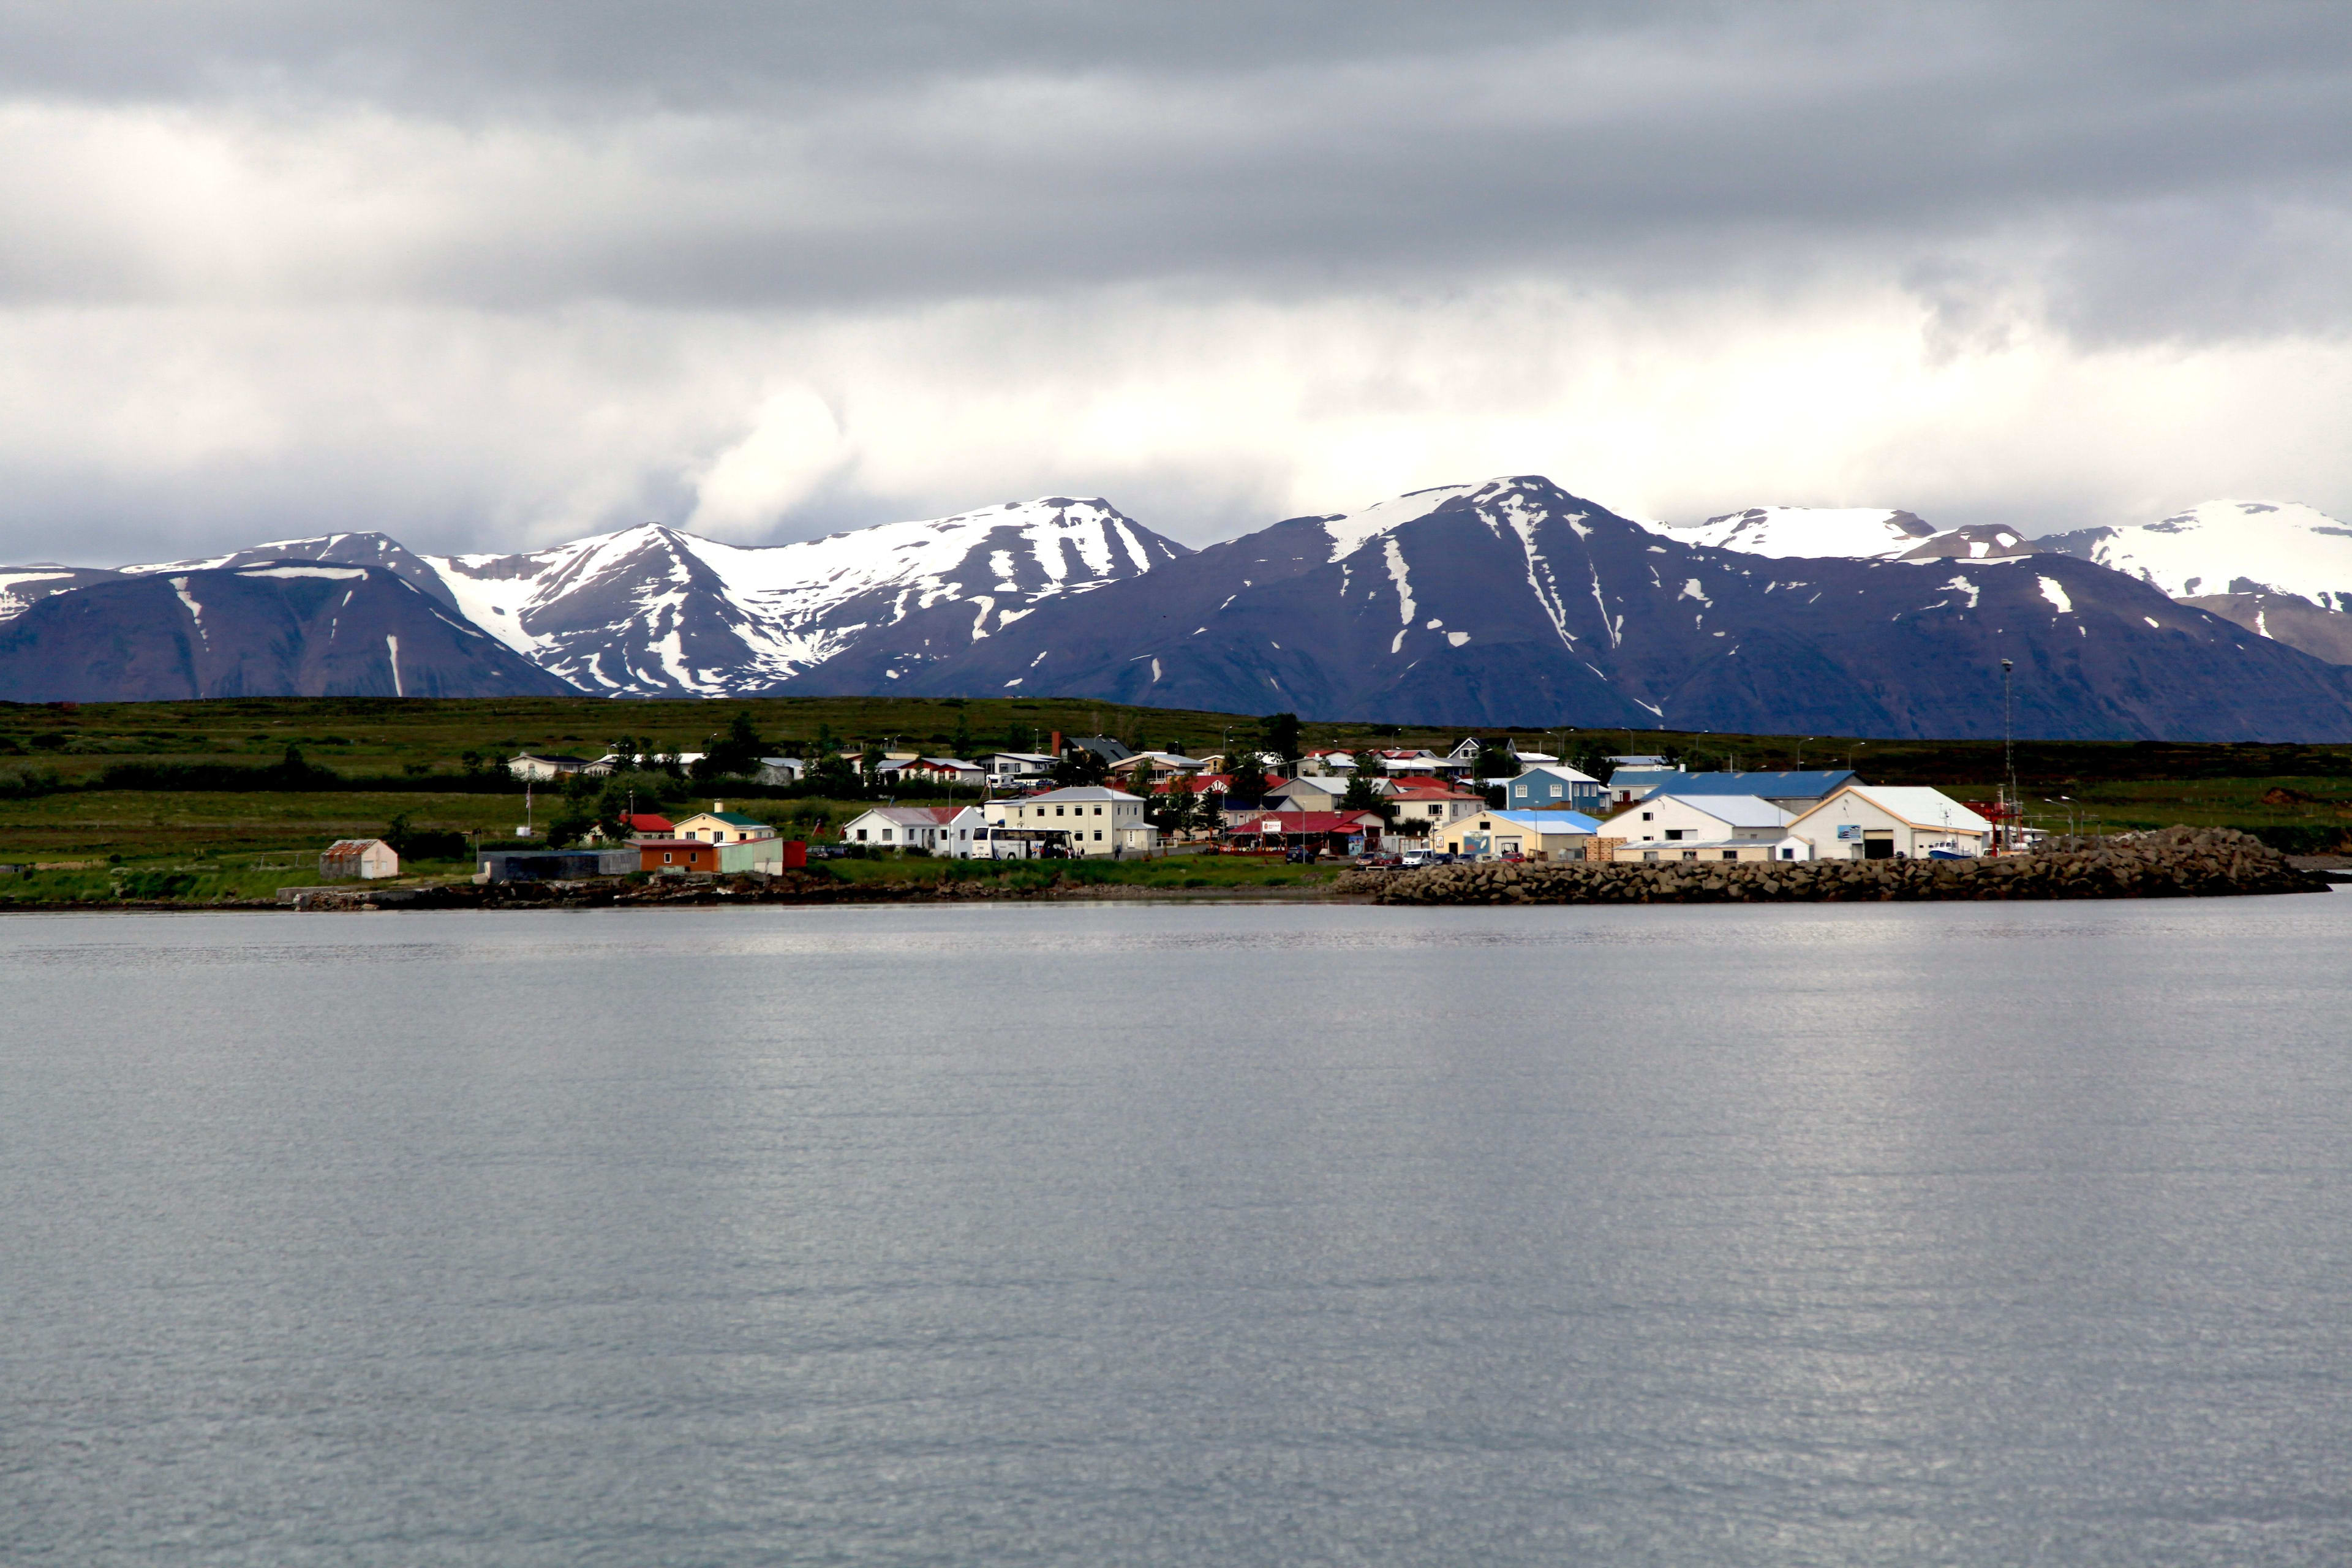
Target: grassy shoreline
x: 387, y: 758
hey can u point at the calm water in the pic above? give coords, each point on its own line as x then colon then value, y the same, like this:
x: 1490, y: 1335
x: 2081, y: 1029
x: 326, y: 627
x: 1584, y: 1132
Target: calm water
x: 1213, y: 1235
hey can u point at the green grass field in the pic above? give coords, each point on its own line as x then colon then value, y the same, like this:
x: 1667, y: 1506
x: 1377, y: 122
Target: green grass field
x: 404, y: 757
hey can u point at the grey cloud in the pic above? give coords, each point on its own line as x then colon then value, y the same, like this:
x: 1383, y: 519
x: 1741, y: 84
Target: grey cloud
x: 823, y: 156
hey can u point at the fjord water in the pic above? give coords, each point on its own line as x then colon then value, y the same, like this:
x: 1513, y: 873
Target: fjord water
x: 1962, y: 1234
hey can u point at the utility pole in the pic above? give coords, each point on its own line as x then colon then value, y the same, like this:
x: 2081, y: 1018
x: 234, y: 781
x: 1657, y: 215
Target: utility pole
x: 2009, y: 748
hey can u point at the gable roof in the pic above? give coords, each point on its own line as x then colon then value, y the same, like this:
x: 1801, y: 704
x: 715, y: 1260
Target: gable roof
x: 345, y: 846
x: 1326, y: 784
x: 645, y: 821
x: 1560, y: 772
x: 732, y: 818
x: 915, y: 816
x: 1916, y: 805
x: 1089, y: 793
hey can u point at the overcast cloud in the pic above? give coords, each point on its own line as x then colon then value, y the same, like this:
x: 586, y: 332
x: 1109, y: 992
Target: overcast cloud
x: 488, y: 275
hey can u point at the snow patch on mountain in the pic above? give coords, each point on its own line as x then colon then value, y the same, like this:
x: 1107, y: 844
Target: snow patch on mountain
x: 2228, y: 547
x: 1783, y: 532
x: 1351, y: 531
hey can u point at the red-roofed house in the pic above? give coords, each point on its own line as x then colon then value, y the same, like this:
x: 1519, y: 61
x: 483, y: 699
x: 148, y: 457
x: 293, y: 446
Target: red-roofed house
x: 1325, y: 832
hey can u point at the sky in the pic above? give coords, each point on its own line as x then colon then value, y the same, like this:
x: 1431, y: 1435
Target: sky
x: 490, y: 275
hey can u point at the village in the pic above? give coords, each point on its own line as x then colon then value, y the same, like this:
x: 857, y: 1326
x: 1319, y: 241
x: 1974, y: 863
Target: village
x: 1371, y: 807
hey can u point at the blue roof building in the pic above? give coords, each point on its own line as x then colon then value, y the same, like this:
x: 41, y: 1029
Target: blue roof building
x: 1794, y: 791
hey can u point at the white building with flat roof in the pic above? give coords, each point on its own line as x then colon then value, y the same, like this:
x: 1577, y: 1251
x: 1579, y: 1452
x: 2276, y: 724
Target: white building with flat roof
x: 1094, y: 817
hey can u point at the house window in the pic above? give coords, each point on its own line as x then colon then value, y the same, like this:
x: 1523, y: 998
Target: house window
x: 1788, y: 854
x: 1057, y: 811
x: 665, y: 853
x: 1731, y: 854
x: 1690, y: 854
x: 1649, y: 815
x: 885, y: 836
x: 1674, y: 833
x: 1649, y: 854
x: 861, y: 835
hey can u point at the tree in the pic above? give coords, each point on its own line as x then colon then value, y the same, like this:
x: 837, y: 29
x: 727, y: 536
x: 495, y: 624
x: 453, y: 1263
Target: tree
x: 1588, y: 758
x: 1248, y: 775
x: 1176, y: 809
x: 870, y: 763
x: 1494, y: 762
x: 833, y: 776
x: 735, y: 754
x: 960, y: 745
x: 1364, y: 794
x: 1078, y: 766
x: 1282, y: 736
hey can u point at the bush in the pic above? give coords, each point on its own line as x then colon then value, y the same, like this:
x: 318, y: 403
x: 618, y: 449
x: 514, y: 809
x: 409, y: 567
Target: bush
x: 155, y: 885
x: 2301, y: 839
x: 30, y: 784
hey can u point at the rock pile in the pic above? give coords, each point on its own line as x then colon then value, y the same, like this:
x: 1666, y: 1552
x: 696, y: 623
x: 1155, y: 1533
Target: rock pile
x: 2176, y: 863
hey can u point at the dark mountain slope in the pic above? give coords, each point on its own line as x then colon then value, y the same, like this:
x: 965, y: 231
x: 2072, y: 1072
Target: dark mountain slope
x: 1515, y: 602
x: 293, y: 629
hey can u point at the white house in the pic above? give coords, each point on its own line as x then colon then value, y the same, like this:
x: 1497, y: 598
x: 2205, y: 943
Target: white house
x: 948, y: 830
x: 1784, y: 849
x: 1692, y: 820
x: 349, y: 859
x: 1005, y: 768
x: 541, y: 766
x: 1093, y: 816
x: 1880, y: 822
x: 941, y: 770
x: 1157, y: 767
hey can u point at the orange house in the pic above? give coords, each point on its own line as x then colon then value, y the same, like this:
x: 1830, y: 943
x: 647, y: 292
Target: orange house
x: 676, y: 855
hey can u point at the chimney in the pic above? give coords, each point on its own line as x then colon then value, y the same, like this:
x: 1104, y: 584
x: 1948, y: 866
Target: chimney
x: 1057, y: 744
x: 716, y: 806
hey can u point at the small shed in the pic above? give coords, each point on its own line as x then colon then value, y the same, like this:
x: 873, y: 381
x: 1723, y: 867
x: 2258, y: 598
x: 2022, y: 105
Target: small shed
x: 359, y: 860
x: 555, y: 865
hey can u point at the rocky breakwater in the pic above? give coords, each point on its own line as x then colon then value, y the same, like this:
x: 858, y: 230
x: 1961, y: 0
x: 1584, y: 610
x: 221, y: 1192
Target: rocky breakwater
x: 2176, y: 863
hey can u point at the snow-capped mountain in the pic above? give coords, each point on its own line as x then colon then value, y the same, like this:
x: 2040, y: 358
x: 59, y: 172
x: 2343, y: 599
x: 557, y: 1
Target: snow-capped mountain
x: 22, y: 587
x: 1515, y: 602
x: 263, y: 628
x: 1783, y: 533
x: 2279, y: 569
x: 2228, y: 547
x: 650, y: 611
x: 654, y: 612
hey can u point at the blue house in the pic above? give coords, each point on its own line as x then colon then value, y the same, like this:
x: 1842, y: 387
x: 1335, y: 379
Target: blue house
x: 1553, y: 786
